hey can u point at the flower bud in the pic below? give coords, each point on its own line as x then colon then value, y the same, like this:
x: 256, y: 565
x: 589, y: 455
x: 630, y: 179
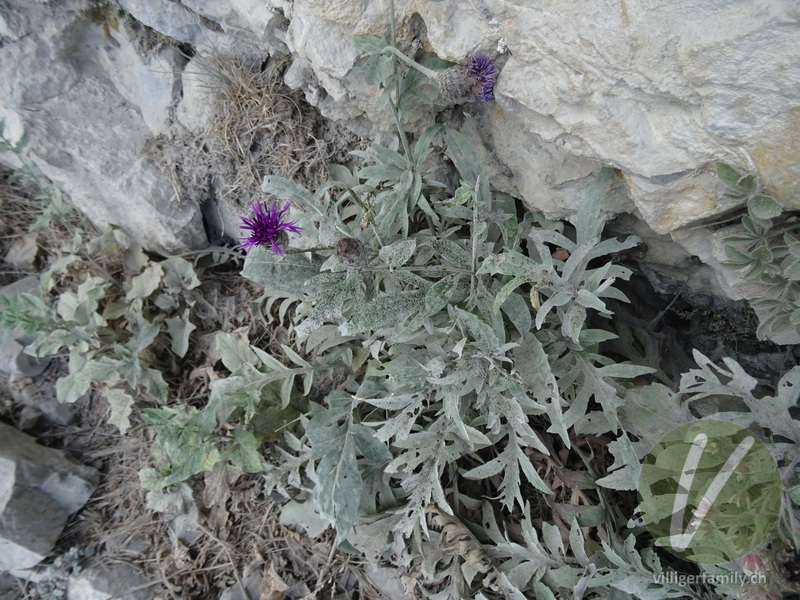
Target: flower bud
x: 471, y: 82
x: 455, y: 83
x: 352, y: 254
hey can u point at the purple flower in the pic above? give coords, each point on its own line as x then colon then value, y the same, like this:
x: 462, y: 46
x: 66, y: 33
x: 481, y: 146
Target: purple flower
x: 267, y: 227
x: 484, y: 72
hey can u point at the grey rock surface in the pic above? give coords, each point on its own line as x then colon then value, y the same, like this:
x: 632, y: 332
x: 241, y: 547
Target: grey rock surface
x: 196, y: 104
x: 37, y: 397
x: 39, y: 488
x: 103, y: 582
x: 91, y: 102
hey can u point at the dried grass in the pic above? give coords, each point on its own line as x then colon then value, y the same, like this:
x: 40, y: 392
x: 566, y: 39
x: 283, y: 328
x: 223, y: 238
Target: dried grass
x: 262, y: 126
x: 234, y: 538
x: 19, y: 209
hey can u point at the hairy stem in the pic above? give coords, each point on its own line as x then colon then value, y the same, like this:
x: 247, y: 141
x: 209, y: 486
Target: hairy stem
x: 410, y: 62
x: 396, y: 104
x: 473, y: 231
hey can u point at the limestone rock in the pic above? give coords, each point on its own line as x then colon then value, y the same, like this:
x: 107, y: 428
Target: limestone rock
x: 659, y: 90
x: 243, y: 20
x: 39, y: 488
x: 179, y: 22
x: 13, y: 359
x: 101, y: 582
x: 91, y: 105
x: 37, y: 397
x: 325, y: 46
x: 195, y: 110
x: 149, y: 84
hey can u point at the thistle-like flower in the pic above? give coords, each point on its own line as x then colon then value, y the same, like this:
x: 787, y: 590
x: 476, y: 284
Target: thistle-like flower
x: 484, y: 75
x: 471, y: 82
x: 268, y: 227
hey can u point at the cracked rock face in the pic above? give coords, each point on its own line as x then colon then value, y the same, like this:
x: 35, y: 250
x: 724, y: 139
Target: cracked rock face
x: 91, y: 101
x: 660, y: 90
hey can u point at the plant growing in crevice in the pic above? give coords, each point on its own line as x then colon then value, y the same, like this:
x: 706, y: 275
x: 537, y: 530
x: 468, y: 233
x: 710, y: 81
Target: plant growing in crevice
x: 481, y: 437
x: 476, y: 375
x: 765, y: 251
x: 461, y: 381
x: 108, y: 323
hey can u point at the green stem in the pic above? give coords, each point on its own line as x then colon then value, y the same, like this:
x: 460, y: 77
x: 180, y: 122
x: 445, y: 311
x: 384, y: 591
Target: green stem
x: 367, y: 212
x: 396, y: 104
x: 410, y: 62
x: 210, y: 250
x: 399, y: 125
x: 303, y: 250
x: 473, y: 230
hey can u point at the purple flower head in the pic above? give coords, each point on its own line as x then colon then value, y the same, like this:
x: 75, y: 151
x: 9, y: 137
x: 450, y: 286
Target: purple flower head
x: 267, y: 227
x: 484, y: 73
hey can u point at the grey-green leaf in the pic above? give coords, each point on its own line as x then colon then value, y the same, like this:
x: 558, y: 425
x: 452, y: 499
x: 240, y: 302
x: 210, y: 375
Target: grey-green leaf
x: 398, y: 253
x: 242, y: 451
x: 234, y: 351
x: 179, y: 329
x: 179, y: 274
x: 588, y: 224
x: 626, y: 468
x: 83, y: 374
x: 280, y: 275
x: 121, y: 403
x: 764, y: 207
x: 369, y: 43
x: 145, y: 283
x: 290, y: 191
x: 339, y: 490
x: 728, y: 175
x: 531, y: 361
